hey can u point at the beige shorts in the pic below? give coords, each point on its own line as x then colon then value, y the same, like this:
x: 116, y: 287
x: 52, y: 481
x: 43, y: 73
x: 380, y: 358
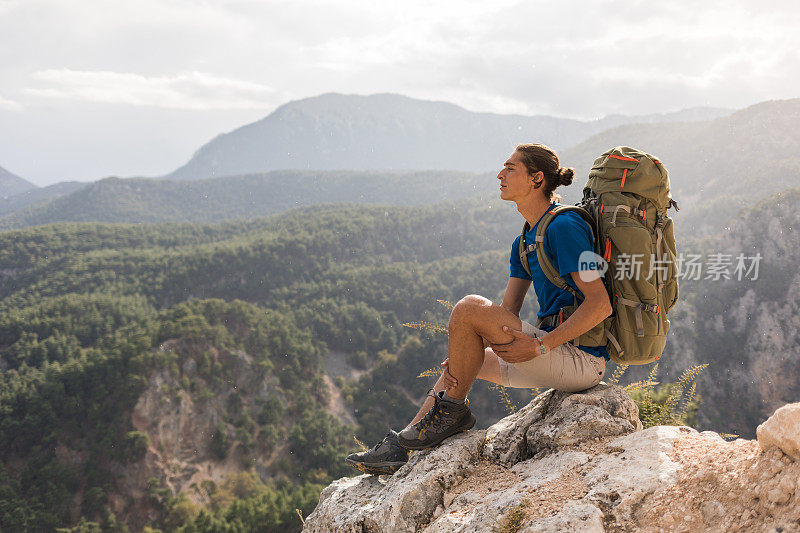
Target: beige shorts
x: 565, y: 368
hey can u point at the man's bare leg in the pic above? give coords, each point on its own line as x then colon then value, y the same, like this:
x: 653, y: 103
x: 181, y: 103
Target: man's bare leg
x: 474, y: 322
x: 490, y: 371
x: 387, y: 458
x: 475, y: 318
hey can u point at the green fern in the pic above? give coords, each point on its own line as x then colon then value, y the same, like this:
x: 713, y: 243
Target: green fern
x: 433, y: 327
x: 688, y: 377
x: 449, y: 306
x: 510, y: 406
x: 427, y: 326
x: 617, y: 374
x: 683, y: 411
x: 435, y: 371
x: 361, y: 445
x: 670, y: 404
x: 647, y: 384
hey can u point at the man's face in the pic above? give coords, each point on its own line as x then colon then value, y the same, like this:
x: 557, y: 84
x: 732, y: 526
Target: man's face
x: 515, y: 182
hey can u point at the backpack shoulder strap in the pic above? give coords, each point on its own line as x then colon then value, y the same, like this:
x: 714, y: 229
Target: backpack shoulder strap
x: 525, y: 248
x: 544, y: 261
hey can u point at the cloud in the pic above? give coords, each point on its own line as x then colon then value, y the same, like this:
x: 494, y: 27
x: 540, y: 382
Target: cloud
x: 194, y: 90
x: 236, y: 60
x: 562, y: 61
x: 571, y: 58
x: 9, y: 105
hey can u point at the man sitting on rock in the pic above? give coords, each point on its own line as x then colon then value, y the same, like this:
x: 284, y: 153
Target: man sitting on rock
x: 490, y: 342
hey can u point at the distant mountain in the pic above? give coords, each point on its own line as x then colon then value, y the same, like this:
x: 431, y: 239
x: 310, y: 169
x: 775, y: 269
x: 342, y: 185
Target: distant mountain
x: 717, y: 167
x: 142, y: 200
x: 693, y: 114
x: 22, y: 200
x: 755, y: 151
x: 11, y: 184
x: 388, y: 132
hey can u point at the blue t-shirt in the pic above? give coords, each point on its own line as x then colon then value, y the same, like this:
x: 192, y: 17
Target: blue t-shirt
x: 566, y: 237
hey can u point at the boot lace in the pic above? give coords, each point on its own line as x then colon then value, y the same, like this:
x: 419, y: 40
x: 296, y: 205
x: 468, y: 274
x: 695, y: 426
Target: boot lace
x: 430, y: 416
x: 385, y: 440
x: 436, y: 418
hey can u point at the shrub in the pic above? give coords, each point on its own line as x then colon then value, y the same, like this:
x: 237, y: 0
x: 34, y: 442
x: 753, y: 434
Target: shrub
x: 135, y: 445
x: 220, y: 442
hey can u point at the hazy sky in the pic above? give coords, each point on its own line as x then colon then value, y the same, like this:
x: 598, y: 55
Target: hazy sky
x: 93, y: 88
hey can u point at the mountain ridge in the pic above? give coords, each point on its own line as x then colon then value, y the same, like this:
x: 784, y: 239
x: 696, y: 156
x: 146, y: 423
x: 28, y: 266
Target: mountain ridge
x: 144, y: 200
x: 21, y: 200
x: 757, y: 145
x: 11, y: 184
x: 384, y: 131
x: 713, y: 165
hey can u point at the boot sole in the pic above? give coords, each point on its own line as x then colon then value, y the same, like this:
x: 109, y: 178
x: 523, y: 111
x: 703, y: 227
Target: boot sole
x: 375, y: 469
x: 414, y: 446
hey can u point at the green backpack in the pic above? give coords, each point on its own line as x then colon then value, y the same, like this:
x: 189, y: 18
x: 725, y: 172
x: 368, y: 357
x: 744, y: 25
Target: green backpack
x: 625, y: 202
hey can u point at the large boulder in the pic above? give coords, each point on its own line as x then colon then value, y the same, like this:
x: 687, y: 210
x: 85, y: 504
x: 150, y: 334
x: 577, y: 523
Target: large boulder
x: 418, y: 492
x: 573, y: 462
x: 782, y: 431
x: 556, y: 420
x: 403, y: 501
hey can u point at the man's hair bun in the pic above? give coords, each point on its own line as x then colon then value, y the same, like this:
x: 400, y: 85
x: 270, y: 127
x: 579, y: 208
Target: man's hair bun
x: 565, y: 175
x: 541, y: 158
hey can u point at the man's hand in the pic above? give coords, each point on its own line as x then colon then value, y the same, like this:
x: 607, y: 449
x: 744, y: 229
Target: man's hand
x: 522, y: 348
x: 449, y: 380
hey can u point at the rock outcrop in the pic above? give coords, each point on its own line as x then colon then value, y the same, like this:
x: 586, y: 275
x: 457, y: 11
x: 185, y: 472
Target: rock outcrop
x: 181, y: 428
x: 573, y: 462
x: 782, y: 431
x: 745, y: 327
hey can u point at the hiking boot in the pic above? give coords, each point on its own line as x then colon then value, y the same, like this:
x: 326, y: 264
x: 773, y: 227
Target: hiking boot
x: 443, y: 420
x: 386, y: 457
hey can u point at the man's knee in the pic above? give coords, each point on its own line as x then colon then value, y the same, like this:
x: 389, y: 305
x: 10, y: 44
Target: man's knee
x: 468, y: 308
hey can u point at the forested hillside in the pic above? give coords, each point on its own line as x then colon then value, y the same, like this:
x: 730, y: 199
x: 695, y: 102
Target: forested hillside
x: 74, y: 433
x: 745, y: 324
x: 140, y: 200
x: 21, y: 200
x: 183, y: 374
x: 717, y: 166
x: 146, y: 369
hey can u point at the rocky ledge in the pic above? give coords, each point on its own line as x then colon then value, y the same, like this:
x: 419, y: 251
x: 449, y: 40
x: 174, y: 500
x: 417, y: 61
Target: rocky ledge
x: 580, y: 462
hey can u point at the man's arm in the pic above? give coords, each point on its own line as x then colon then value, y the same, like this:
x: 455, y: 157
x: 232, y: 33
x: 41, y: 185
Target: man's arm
x: 593, y: 310
x: 516, y: 289
x: 515, y: 293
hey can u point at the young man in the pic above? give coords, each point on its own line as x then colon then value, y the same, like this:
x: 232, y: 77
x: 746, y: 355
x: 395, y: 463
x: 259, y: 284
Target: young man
x: 490, y: 342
